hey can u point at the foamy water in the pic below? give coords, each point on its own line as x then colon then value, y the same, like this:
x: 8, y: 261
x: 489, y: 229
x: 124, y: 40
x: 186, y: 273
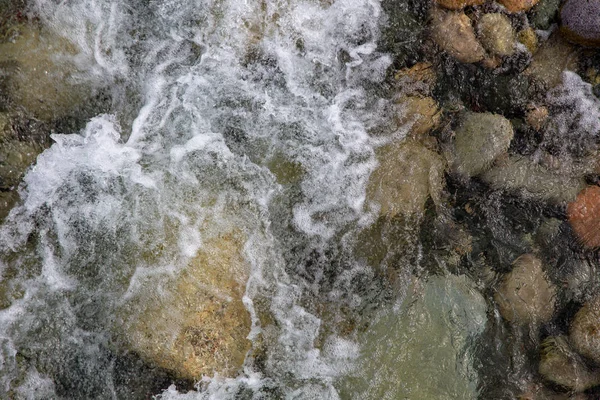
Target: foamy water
x: 213, y: 102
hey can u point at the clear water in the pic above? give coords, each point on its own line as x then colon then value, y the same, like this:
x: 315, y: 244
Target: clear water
x: 227, y: 115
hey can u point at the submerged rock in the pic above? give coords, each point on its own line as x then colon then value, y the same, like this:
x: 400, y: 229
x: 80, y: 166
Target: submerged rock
x: 580, y: 22
x: 424, y: 350
x: 531, y: 180
x: 561, y: 365
x: 496, y: 34
x: 408, y: 174
x: 196, y: 323
x: 585, y: 330
x: 584, y: 216
x: 41, y: 78
x: 553, y: 57
x: 544, y: 14
x: 453, y: 32
x: 420, y: 112
x: 525, y: 295
x: 479, y: 140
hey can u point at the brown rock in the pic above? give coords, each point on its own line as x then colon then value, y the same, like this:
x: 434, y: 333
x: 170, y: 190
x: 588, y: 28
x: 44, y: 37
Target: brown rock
x: 453, y: 32
x: 537, y: 116
x: 561, y: 365
x: 585, y: 330
x: 195, y: 324
x: 584, y: 216
x: 407, y: 176
x: 515, y: 6
x: 421, y: 112
x: 529, y: 39
x: 458, y: 4
x: 525, y: 295
x: 552, y: 58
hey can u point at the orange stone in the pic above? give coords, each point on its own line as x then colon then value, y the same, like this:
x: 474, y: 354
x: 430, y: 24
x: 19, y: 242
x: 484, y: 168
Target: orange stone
x: 458, y: 4
x: 515, y: 6
x: 584, y: 216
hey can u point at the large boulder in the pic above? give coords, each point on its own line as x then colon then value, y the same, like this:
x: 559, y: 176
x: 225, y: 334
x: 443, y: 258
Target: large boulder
x: 423, y: 350
x: 42, y: 77
x: 195, y: 323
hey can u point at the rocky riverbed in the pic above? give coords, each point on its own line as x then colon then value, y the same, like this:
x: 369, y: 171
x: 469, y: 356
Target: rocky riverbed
x: 433, y: 234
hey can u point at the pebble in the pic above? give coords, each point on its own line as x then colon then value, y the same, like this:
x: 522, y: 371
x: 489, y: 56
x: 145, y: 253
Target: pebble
x: 580, y: 21
x: 496, y: 34
x: 515, y: 6
x: 585, y: 330
x: 529, y: 39
x: 584, y: 216
x: 537, y: 116
x: 552, y: 58
x: 453, y: 32
x: 479, y: 140
x: 525, y: 296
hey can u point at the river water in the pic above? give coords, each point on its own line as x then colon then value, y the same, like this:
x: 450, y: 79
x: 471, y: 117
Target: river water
x: 253, y: 116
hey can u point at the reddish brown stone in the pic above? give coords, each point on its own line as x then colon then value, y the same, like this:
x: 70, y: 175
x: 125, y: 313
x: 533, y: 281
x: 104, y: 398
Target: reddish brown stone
x: 584, y: 216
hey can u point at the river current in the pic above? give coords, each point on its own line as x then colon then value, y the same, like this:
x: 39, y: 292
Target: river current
x: 225, y: 114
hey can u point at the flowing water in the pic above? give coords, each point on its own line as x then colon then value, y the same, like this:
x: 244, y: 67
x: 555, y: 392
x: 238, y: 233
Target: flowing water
x: 256, y: 117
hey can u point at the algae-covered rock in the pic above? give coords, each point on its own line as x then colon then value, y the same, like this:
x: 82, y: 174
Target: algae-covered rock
x: 408, y: 174
x: 453, y: 32
x: 423, y: 350
x: 41, y: 78
x: 525, y: 295
x: 544, y: 14
x: 561, y: 365
x: 531, y: 180
x: 528, y: 38
x: 585, y: 330
x: 496, y: 34
x: 479, y: 140
x: 195, y: 324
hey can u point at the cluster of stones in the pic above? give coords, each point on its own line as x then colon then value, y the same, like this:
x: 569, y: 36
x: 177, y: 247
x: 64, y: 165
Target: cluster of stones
x: 479, y: 143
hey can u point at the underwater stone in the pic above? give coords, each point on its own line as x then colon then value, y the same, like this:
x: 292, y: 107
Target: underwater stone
x: 424, y: 350
x: 479, y: 140
x: 196, y: 324
x: 529, y: 39
x: 525, y: 295
x: 408, y: 174
x: 40, y: 78
x: 420, y: 112
x: 585, y: 330
x: 496, y: 34
x: 531, y: 180
x: 453, y: 32
x: 515, y: 6
x: 584, y: 216
x: 580, y: 22
x: 15, y: 158
x: 552, y: 58
x: 561, y: 365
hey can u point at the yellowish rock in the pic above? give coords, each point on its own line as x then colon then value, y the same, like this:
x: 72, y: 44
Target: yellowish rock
x: 458, y: 4
x: 526, y: 296
x: 423, y: 73
x: 515, y: 6
x: 453, y: 32
x: 420, y: 112
x: 529, y: 39
x: 407, y: 176
x: 496, y: 34
x: 41, y: 79
x: 195, y: 324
